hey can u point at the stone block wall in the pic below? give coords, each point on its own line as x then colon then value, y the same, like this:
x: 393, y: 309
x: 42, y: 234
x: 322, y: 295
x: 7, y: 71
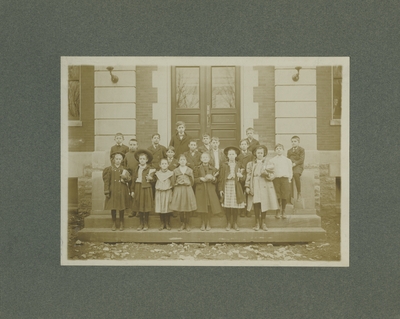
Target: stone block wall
x: 85, y: 190
x: 328, y: 199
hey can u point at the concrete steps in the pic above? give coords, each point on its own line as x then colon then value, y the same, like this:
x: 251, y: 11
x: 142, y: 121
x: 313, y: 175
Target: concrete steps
x: 298, y: 227
x: 215, y: 235
x: 103, y: 221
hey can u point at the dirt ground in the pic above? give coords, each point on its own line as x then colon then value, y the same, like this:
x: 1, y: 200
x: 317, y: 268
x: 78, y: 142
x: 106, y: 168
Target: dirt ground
x: 327, y: 250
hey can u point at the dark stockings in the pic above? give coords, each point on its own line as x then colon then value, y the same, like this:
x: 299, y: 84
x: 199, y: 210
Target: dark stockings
x: 121, y: 220
x: 296, y: 177
x: 231, y: 218
x: 114, y: 219
x: 185, y: 221
x: 257, y: 212
x: 146, y: 221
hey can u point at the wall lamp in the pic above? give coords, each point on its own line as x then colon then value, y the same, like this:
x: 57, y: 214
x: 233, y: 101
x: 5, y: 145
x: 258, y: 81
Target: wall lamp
x: 114, y: 78
x: 296, y: 77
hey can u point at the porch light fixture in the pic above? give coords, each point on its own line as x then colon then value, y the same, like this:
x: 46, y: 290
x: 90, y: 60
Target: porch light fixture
x: 114, y: 78
x: 296, y: 77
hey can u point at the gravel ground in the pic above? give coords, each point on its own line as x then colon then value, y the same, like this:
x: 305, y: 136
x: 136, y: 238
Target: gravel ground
x: 327, y: 250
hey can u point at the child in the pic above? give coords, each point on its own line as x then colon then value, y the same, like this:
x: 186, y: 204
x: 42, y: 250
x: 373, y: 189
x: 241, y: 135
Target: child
x: 183, y: 199
x: 180, y: 140
x: 217, y: 156
x: 116, y: 189
x: 141, y: 189
x: 244, y: 157
x: 130, y: 162
x: 119, y: 147
x: 206, y: 143
x: 193, y: 155
x: 230, y: 188
x: 163, y: 196
x: 296, y: 154
x: 158, y: 151
x: 283, y: 176
x: 205, y: 178
x: 250, y: 138
x: 259, y: 187
x: 172, y: 161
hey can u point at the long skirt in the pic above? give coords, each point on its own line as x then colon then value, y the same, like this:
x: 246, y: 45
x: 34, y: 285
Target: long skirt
x: 162, y: 200
x: 183, y: 199
x: 230, y: 196
x: 143, y: 199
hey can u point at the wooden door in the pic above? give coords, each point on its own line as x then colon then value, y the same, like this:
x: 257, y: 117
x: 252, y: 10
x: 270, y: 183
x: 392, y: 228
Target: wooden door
x: 207, y: 99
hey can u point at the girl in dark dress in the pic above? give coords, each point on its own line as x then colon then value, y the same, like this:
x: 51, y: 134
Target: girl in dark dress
x: 205, y: 178
x: 230, y: 187
x: 116, y: 189
x: 141, y: 188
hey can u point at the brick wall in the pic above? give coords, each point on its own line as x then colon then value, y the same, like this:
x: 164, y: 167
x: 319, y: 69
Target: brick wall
x: 146, y: 95
x: 328, y: 136
x: 264, y: 95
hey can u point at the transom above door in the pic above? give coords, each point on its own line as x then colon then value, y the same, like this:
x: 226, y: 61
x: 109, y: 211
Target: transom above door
x: 207, y: 99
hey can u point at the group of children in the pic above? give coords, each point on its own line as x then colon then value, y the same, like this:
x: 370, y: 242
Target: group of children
x: 186, y: 178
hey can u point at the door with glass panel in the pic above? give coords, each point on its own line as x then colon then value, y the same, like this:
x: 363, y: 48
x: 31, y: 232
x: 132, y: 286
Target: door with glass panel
x: 207, y: 99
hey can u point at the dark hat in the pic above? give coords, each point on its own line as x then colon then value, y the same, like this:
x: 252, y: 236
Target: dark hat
x: 260, y: 146
x: 149, y: 155
x: 115, y: 153
x: 227, y: 149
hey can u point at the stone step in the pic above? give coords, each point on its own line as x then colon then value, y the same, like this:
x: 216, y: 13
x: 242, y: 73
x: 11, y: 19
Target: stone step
x: 290, y: 209
x: 215, y: 235
x: 104, y: 221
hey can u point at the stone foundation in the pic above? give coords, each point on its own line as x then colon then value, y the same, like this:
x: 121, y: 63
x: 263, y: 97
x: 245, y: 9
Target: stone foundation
x: 85, y: 191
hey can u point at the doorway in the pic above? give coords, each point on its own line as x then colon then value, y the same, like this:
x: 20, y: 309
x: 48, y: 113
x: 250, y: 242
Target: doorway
x: 207, y: 99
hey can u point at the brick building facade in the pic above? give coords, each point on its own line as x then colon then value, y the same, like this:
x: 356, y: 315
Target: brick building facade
x: 267, y: 98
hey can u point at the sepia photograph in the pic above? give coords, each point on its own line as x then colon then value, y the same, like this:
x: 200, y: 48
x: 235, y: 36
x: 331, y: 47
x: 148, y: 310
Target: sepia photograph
x: 205, y: 161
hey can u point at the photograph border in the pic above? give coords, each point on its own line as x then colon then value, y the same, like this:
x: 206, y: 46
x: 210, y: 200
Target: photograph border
x: 247, y: 61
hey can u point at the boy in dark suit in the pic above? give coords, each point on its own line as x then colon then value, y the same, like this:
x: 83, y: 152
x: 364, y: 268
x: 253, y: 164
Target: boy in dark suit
x: 217, y: 156
x: 119, y: 147
x: 296, y: 154
x: 251, y: 140
x: 157, y: 150
x: 193, y: 155
x: 206, y: 144
x: 180, y: 141
x: 130, y: 162
x: 244, y: 157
